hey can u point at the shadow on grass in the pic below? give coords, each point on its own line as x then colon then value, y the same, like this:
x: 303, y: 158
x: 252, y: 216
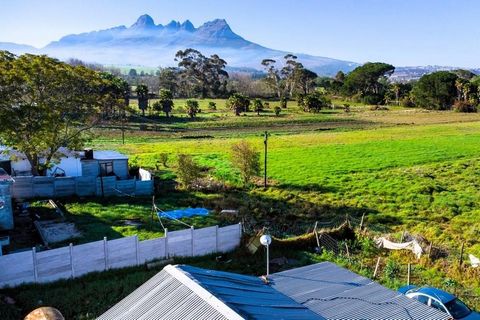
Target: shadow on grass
x: 315, y: 187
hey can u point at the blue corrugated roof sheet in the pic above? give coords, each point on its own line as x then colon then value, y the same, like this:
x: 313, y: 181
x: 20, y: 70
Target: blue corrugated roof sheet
x: 336, y: 293
x: 249, y: 296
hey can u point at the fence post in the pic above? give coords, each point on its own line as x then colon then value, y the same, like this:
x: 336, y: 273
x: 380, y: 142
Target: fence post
x: 105, y: 252
x: 166, y: 243
x: 348, y: 252
x: 316, y: 235
x: 137, y: 256
x: 409, y: 271
x: 376, y: 268
x: 461, y: 254
x: 192, y: 232
x: 361, y: 221
x: 71, y: 260
x: 216, y: 238
x: 34, y: 258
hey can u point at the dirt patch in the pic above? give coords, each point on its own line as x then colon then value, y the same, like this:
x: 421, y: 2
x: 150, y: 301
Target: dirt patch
x: 53, y: 231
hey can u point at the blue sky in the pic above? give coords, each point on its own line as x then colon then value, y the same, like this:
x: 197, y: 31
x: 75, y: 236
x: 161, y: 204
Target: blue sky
x: 401, y: 32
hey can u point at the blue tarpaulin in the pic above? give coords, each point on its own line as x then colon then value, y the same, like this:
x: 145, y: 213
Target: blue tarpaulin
x: 182, y: 213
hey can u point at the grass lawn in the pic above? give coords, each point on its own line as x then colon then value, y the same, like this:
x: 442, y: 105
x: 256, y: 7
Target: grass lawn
x: 404, y: 176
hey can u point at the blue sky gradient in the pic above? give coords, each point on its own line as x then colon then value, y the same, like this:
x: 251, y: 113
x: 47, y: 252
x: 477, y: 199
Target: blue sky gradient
x: 401, y: 32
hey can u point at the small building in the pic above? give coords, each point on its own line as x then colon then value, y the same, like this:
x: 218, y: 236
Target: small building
x: 71, y: 163
x: 320, y: 291
x: 80, y: 173
x: 6, y: 211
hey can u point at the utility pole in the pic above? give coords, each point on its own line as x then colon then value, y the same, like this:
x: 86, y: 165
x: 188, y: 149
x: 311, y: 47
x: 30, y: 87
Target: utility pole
x: 265, y: 142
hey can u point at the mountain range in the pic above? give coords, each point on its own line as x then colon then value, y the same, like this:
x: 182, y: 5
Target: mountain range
x: 148, y: 44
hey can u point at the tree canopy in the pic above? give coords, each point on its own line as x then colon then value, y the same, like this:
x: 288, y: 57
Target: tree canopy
x: 47, y: 104
x: 204, y: 75
x: 435, y: 90
x: 368, y: 80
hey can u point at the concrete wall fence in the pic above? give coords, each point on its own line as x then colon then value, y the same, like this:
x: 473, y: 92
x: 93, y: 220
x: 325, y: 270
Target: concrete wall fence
x: 75, y: 261
x: 52, y: 187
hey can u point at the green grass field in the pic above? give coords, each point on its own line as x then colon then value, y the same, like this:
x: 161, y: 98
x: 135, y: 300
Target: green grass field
x: 405, y: 176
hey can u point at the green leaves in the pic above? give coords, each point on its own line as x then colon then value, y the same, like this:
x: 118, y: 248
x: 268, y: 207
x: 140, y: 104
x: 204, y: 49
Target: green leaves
x: 47, y: 104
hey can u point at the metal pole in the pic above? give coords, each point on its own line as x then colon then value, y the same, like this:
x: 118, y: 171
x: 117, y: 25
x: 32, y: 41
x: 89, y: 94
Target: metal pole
x: 265, y: 142
x: 268, y: 262
x: 409, y: 271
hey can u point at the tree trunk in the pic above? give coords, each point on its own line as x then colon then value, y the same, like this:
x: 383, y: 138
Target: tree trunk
x: 33, y: 160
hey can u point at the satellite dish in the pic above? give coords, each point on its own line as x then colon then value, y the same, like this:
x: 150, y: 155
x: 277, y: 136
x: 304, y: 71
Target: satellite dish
x: 265, y: 240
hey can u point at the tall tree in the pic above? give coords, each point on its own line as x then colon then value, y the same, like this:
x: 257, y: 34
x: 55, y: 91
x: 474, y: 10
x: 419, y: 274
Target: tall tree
x: 47, y: 104
x: 142, y: 97
x: 165, y: 102
x: 168, y: 79
x: 206, y: 75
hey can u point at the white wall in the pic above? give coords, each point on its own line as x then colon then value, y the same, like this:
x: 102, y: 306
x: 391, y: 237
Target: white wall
x: 71, y: 165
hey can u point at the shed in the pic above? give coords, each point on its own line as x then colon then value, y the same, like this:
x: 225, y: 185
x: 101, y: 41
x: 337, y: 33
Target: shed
x: 6, y: 210
x: 337, y: 293
x: 105, y: 163
x: 185, y: 292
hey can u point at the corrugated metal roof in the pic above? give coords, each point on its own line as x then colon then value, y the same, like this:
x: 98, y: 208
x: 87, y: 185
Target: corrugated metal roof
x: 336, y: 293
x: 248, y: 296
x: 164, y: 296
x: 184, y: 292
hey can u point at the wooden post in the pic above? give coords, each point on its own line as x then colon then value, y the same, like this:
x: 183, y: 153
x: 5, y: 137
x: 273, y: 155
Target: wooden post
x: 71, y: 260
x: 316, y: 235
x: 192, y: 232
x: 34, y: 259
x: 105, y: 252
x: 376, y: 268
x: 409, y: 271
x: 137, y: 255
x: 403, y: 236
x: 166, y: 243
x: 361, y: 221
x: 348, y: 252
x: 265, y: 142
x: 461, y: 254
x: 216, y: 238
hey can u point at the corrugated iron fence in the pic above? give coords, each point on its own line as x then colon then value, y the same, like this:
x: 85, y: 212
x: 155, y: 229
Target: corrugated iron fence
x: 74, y: 261
x: 52, y: 187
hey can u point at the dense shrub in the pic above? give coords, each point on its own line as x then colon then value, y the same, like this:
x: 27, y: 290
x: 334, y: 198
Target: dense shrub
x: 372, y: 99
x: 212, y: 105
x: 462, y: 106
x: 188, y: 171
x: 277, y: 110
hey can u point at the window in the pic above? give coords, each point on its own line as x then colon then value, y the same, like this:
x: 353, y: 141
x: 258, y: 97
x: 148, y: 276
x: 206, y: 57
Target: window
x: 421, y: 298
x: 106, y: 169
x: 457, y: 309
x: 437, y: 305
